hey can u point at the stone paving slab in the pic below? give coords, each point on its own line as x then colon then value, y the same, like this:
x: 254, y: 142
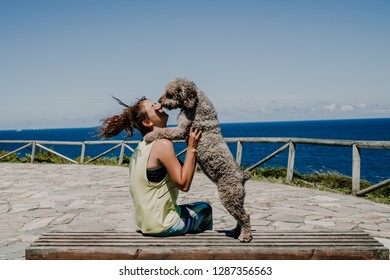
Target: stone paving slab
x: 39, y: 198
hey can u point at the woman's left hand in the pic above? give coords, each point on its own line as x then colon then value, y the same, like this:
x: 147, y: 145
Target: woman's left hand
x: 193, y: 140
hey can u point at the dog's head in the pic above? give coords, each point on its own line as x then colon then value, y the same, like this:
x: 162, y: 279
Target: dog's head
x: 179, y: 93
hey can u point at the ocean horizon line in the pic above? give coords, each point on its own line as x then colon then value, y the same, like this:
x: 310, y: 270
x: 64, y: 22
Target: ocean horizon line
x: 221, y: 123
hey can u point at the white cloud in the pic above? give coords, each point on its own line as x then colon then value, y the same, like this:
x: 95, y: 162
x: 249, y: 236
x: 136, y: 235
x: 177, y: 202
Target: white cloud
x: 264, y: 110
x: 361, y: 106
x: 383, y: 110
x: 330, y: 107
x: 320, y: 110
x: 347, y: 108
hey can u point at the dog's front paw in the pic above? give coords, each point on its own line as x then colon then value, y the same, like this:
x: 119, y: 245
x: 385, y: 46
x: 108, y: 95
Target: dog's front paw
x: 150, y: 137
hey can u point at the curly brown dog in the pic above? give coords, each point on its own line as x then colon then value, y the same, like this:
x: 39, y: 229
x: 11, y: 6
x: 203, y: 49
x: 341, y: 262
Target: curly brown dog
x: 213, y: 154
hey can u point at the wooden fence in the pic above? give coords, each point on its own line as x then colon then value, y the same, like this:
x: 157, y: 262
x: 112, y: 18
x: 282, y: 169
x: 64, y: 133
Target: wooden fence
x: 288, y: 143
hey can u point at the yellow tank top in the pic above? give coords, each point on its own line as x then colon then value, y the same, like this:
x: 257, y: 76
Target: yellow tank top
x: 154, y: 203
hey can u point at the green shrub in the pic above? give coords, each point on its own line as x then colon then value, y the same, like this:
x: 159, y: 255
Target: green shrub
x: 328, y: 181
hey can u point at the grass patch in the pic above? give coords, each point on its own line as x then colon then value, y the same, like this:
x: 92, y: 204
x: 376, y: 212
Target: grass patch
x: 42, y: 156
x: 327, y: 181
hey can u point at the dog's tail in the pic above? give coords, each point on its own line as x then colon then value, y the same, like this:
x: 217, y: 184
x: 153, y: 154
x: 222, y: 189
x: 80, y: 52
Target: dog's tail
x: 247, y: 176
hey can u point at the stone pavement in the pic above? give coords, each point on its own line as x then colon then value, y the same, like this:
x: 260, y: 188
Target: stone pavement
x: 38, y: 198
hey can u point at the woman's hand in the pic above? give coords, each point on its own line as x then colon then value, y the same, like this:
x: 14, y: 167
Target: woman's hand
x: 180, y: 175
x: 193, y: 140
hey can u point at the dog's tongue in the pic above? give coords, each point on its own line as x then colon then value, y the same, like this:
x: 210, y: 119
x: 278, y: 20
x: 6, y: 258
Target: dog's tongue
x: 160, y: 110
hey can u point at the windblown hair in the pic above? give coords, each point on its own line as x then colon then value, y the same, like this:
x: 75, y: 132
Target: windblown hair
x: 130, y: 119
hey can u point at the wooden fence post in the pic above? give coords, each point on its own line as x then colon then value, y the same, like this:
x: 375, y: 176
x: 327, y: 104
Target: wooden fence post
x: 239, y: 152
x: 82, y: 155
x: 291, y: 160
x: 33, y: 152
x: 355, y: 169
x: 122, y: 153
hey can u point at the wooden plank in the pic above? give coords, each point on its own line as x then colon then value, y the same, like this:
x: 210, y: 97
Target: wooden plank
x: 378, y: 186
x: 15, y: 151
x: 209, y: 245
x: 55, y: 153
x: 121, y: 253
x: 104, y: 153
x: 212, y: 234
x: 267, y: 158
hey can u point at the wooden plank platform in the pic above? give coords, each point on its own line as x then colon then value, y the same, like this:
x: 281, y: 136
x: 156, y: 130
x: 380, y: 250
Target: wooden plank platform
x: 209, y: 245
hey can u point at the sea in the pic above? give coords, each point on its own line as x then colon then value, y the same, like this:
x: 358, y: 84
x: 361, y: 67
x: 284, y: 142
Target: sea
x: 375, y: 163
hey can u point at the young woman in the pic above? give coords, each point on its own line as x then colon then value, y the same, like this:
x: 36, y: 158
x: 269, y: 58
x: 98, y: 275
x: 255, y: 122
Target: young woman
x: 157, y: 176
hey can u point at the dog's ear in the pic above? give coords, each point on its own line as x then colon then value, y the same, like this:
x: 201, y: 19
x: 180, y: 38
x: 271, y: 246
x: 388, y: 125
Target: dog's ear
x: 190, y: 98
x: 190, y: 95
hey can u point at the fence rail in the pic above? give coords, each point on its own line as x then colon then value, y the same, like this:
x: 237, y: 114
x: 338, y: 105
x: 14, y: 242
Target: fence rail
x: 288, y: 143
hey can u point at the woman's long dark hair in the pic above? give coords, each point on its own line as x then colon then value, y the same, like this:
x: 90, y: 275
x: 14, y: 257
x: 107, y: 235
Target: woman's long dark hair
x: 130, y: 119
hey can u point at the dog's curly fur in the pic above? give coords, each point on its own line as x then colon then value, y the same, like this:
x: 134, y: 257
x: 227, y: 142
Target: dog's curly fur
x: 213, y: 154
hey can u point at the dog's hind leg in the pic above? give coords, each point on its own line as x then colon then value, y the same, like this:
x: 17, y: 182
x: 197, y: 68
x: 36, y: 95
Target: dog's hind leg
x: 232, y: 197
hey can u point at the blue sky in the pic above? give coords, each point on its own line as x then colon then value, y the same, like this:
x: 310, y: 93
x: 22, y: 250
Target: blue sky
x: 60, y: 61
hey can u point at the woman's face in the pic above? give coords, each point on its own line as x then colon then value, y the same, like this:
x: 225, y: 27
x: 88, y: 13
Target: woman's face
x: 156, y: 115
